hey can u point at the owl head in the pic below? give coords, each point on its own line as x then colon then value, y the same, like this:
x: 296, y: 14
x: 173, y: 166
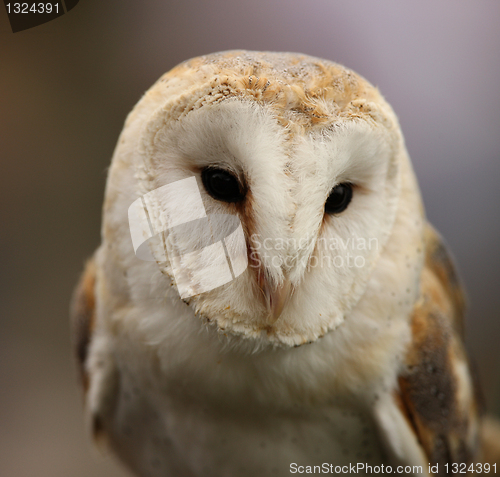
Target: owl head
x: 309, y: 158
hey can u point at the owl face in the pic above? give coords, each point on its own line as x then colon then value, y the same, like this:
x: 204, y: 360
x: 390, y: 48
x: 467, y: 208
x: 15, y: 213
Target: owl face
x: 313, y: 174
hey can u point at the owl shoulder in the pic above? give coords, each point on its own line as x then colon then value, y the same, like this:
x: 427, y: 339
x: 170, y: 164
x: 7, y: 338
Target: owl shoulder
x: 438, y: 394
x: 82, y: 314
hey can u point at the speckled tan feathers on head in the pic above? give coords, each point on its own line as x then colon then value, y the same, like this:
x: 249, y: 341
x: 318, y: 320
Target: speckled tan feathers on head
x: 302, y: 90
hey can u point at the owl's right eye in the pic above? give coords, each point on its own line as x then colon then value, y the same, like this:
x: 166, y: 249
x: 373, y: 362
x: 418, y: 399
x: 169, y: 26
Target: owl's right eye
x: 339, y: 198
x: 222, y: 185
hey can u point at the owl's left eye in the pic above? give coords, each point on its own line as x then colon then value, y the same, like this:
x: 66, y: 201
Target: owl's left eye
x: 222, y: 185
x: 339, y: 198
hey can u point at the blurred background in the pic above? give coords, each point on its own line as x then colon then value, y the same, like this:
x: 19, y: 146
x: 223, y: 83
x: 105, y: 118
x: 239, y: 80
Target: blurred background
x: 65, y: 89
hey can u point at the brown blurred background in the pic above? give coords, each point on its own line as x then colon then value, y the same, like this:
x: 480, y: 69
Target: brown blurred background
x: 65, y: 89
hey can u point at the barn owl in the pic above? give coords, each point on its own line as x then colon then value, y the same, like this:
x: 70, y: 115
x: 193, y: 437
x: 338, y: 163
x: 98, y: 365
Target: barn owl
x: 338, y: 346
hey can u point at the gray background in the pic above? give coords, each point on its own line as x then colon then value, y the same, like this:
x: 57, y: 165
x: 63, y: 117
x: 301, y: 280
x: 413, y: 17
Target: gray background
x: 65, y: 89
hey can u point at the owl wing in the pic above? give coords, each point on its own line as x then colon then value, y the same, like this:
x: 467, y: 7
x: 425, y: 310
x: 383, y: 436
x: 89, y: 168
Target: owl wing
x: 436, y: 398
x: 82, y: 314
x: 99, y: 377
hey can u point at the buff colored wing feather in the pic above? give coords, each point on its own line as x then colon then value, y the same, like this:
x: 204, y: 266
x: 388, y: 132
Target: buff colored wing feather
x: 437, y: 394
x: 83, y: 318
x: 99, y: 379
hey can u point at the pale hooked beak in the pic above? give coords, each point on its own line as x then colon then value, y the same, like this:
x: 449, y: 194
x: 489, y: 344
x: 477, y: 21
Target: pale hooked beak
x: 276, y: 299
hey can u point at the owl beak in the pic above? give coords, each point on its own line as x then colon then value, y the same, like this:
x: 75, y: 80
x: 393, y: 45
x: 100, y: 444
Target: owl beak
x: 277, y: 298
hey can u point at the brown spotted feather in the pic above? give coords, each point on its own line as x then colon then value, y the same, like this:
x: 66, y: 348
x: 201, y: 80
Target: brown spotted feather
x: 83, y: 318
x: 436, y: 390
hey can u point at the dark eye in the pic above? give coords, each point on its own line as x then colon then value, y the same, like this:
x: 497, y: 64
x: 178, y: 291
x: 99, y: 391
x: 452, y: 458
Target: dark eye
x: 339, y: 198
x: 222, y: 185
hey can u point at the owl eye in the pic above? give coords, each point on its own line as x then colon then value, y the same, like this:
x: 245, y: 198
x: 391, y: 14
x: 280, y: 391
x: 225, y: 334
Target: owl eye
x: 339, y: 198
x: 222, y: 185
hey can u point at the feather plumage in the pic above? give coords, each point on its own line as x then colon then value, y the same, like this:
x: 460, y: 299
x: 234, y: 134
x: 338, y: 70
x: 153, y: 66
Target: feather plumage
x: 365, y: 362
